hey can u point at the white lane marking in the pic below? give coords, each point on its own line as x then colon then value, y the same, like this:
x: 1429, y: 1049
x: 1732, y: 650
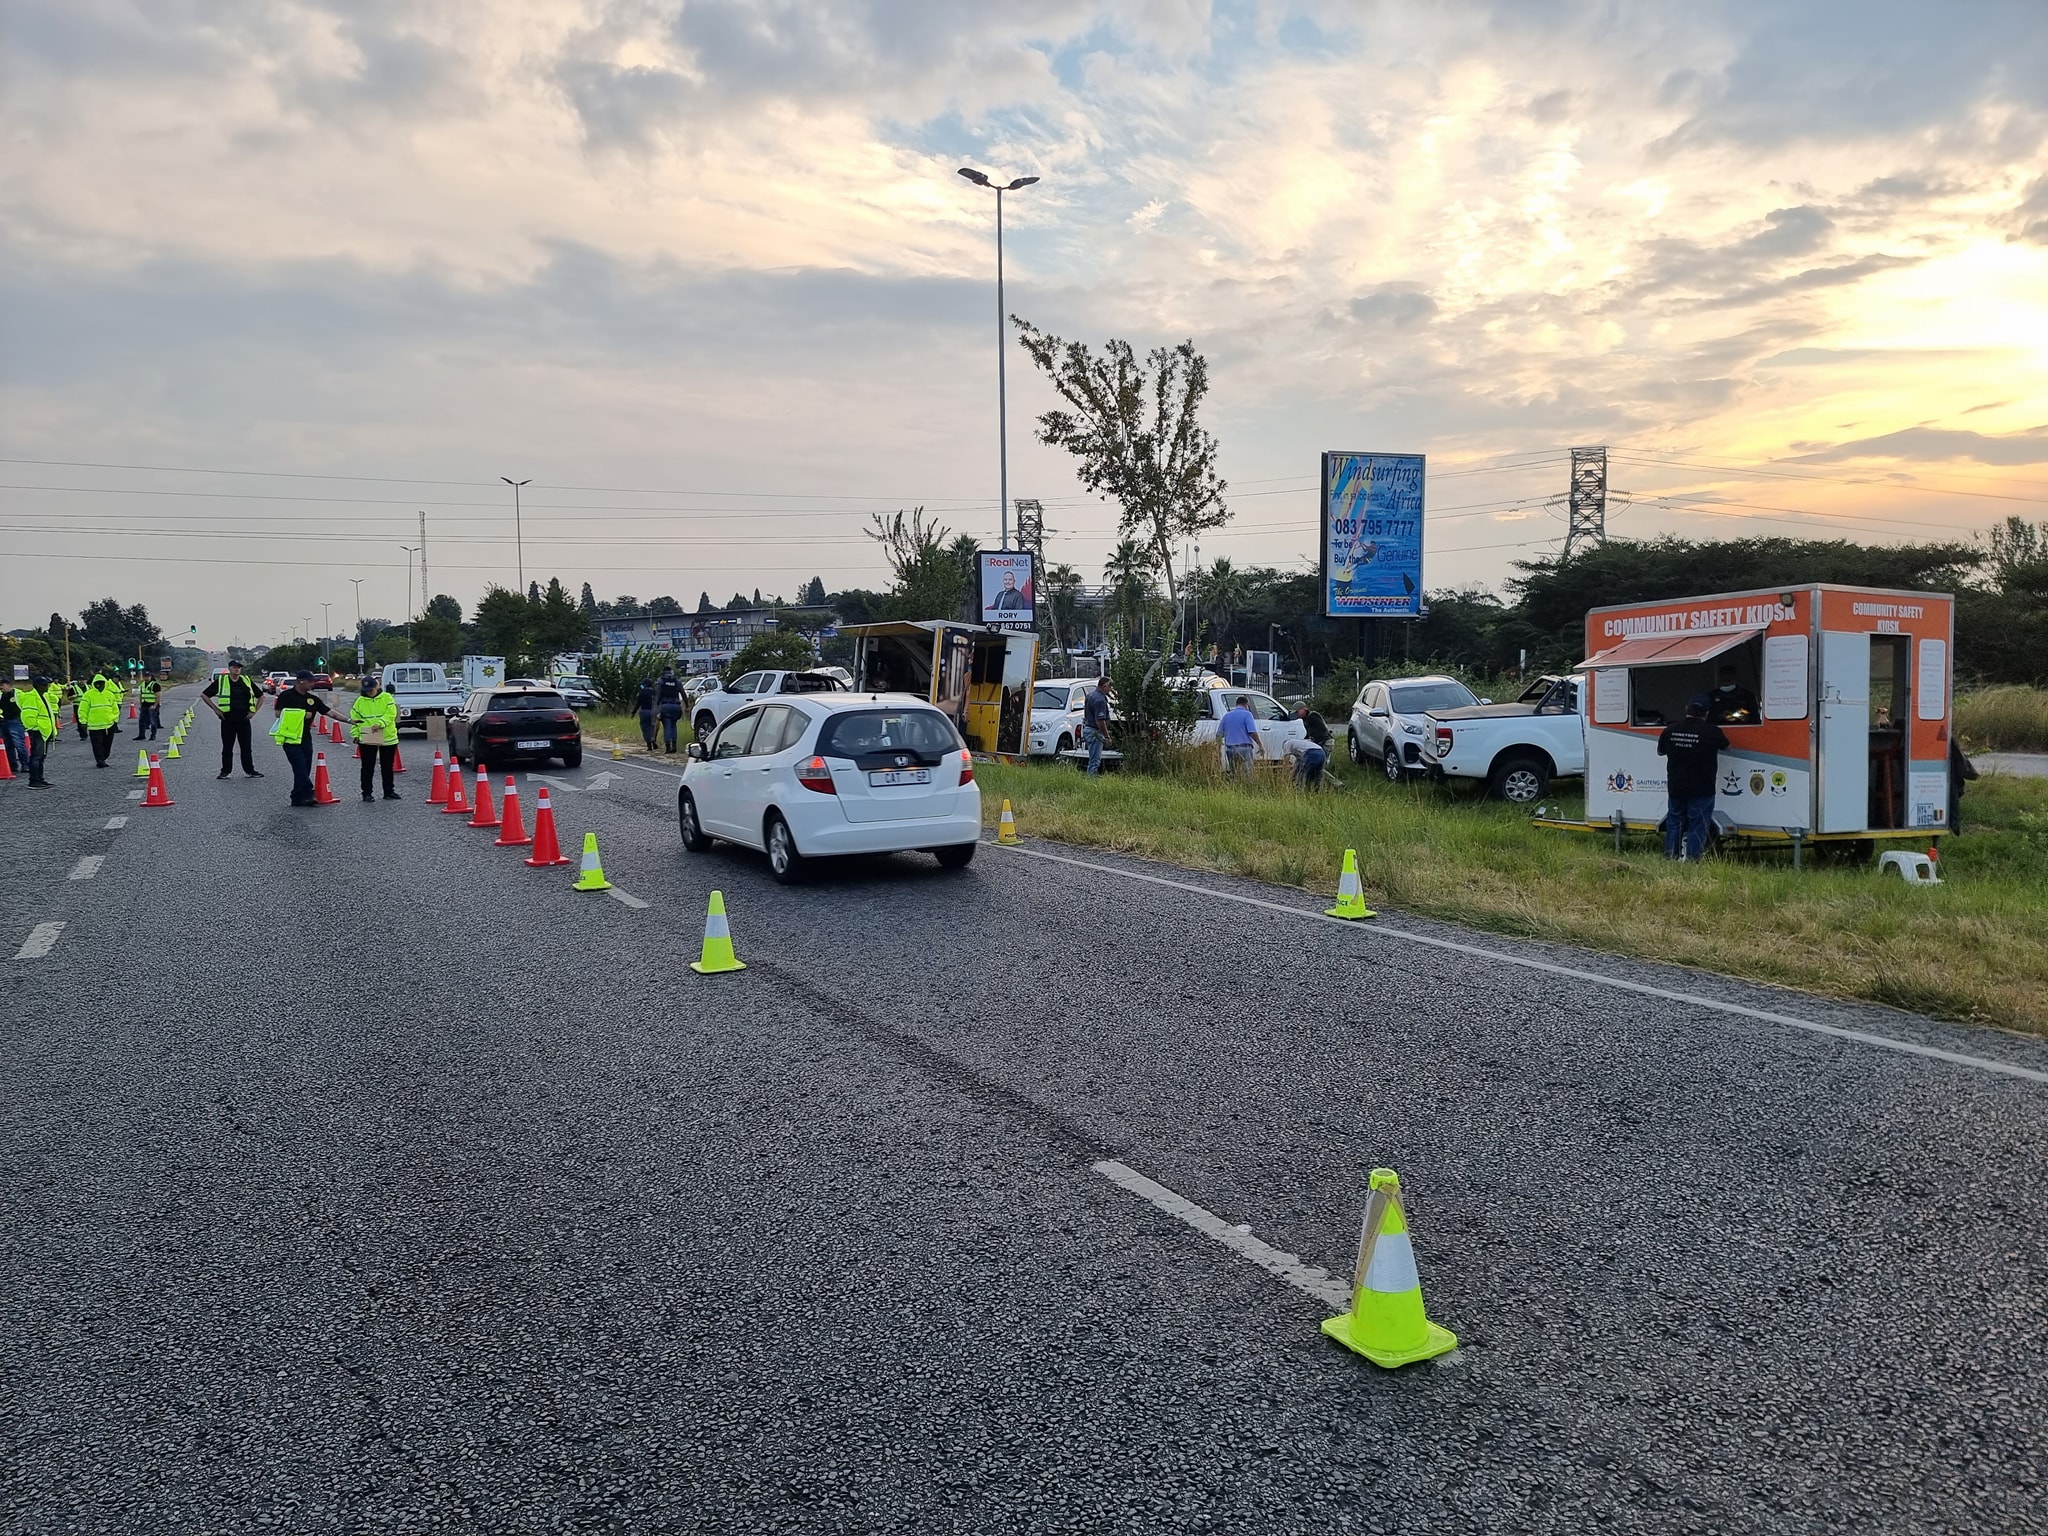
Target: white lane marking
x: 1319, y: 1283
x: 134, y: 794
x: 87, y: 867
x: 627, y: 900
x: 1528, y: 962
x: 604, y: 780
x: 116, y: 823
x: 650, y: 768
x: 41, y: 940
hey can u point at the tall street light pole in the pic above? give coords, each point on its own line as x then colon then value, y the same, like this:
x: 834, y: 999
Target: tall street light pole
x: 326, y: 622
x: 410, y: 550
x: 519, y: 537
x: 980, y: 179
x: 360, y: 658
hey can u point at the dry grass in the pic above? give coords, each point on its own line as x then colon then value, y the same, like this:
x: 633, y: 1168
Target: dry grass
x: 2007, y: 718
x: 1973, y: 949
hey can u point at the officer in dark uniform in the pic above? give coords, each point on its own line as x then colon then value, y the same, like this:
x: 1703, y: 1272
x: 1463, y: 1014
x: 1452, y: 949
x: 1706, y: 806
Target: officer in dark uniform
x: 1732, y: 704
x: 233, y: 697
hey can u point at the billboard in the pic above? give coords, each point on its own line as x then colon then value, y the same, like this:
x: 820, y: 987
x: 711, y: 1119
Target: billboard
x: 1372, y: 535
x: 1004, y: 579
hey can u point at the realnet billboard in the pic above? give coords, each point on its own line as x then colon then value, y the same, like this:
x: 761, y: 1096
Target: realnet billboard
x: 1372, y: 535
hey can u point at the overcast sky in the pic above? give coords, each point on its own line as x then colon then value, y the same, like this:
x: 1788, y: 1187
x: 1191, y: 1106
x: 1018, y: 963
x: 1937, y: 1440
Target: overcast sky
x: 703, y: 272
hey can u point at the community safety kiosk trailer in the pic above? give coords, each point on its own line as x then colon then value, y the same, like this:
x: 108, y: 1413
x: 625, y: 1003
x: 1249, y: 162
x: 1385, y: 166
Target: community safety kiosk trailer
x: 1838, y: 723
x: 978, y: 675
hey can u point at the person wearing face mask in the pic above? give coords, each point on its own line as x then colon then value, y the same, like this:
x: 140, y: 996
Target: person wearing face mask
x: 1732, y: 704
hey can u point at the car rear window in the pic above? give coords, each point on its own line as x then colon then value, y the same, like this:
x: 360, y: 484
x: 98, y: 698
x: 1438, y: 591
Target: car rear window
x: 809, y: 682
x: 521, y: 703
x: 1420, y: 698
x: 924, y: 731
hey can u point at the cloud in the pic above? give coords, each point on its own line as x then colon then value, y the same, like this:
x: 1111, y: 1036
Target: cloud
x: 1933, y: 445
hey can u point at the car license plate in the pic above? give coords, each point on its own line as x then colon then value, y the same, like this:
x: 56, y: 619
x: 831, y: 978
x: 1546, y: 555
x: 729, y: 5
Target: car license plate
x: 531, y: 746
x: 901, y: 776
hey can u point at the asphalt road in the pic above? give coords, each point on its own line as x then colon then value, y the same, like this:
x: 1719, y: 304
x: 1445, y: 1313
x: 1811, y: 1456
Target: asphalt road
x: 359, y: 1178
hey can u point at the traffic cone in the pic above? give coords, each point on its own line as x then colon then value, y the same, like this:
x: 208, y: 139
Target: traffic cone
x: 591, y: 876
x: 131, y: 711
x: 1386, y: 1323
x: 171, y: 751
x: 618, y: 753
x: 486, y: 813
x: 323, y: 792
x: 1350, y: 895
x: 6, y: 770
x: 511, y: 833
x: 546, y: 851
x: 457, y: 803
x: 142, y: 762
x: 718, y: 956
x: 437, y: 791
x: 156, y: 794
x: 397, y: 761
x: 1007, y: 831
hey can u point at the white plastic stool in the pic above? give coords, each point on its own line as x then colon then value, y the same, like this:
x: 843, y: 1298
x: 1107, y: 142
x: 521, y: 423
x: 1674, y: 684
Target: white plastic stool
x: 1913, y: 868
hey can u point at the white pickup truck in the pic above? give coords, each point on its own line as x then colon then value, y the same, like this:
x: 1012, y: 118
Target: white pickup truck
x: 422, y: 689
x: 1514, y: 749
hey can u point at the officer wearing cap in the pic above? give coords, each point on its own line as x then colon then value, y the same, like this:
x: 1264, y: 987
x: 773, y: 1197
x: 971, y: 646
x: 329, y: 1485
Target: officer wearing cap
x: 234, y: 699
x: 1692, y: 752
x: 295, y: 708
x: 39, y: 705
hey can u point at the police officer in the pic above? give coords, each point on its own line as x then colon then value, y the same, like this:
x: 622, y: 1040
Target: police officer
x: 295, y: 707
x: 40, y: 703
x: 232, y: 697
x: 99, y: 707
x: 147, y: 727
x: 373, y: 722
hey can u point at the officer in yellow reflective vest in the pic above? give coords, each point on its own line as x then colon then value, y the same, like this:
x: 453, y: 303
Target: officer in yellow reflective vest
x: 150, y: 723
x: 99, y: 707
x: 295, y: 708
x: 39, y: 704
x: 373, y: 721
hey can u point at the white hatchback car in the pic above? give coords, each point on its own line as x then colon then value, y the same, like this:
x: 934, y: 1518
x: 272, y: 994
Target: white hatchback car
x: 806, y: 776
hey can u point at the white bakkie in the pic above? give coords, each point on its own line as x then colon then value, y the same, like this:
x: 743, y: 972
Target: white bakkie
x: 1514, y: 749
x: 807, y: 776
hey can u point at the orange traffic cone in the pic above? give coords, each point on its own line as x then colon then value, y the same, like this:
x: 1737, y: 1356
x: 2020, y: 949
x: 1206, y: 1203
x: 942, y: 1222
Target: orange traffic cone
x: 511, y: 834
x: 156, y: 794
x: 323, y: 792
x: 437, y: 791
x: 397, y: 762
x: 6, y: 771
x: 486, y: 813
x: 457, y: 803
x: 546, y: 850
x: 131, y: 711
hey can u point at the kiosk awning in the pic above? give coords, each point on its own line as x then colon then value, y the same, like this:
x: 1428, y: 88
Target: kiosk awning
x: 1670, y: 650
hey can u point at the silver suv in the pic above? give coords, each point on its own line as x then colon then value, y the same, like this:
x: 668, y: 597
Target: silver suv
x: 1387, y: 725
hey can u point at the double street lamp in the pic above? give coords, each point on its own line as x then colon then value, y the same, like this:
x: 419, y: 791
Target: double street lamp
x: 981, y: 179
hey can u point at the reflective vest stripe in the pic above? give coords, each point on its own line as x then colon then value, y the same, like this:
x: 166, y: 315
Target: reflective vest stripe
x: 1392, y: 1269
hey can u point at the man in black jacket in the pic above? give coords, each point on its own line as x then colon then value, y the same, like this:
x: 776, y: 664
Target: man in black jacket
x: 1691, y: 751
x: 233, y: 697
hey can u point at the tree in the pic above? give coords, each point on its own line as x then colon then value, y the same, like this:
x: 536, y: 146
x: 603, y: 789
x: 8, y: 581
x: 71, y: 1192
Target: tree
x: 739, y: 603
x: 368, y: 630
x: 390, y: 647
x: 929, y: 584
x: 704, y: 603
x: 616, y: 677
x: 813, y: 594
x: 588, y: 602
x: 757, y: 597
x: 503, y: 625
x: 659, y: 607
x: 1220, y: 596
x: 436, y: 637
x: 773, y: 651
x: 442, y: 606
x: 555, y: 625
x: 533, y: 591
x: 964, y: 552
x: 1136, y: 436
x: 1129, y: 574
x: 1062, y: 588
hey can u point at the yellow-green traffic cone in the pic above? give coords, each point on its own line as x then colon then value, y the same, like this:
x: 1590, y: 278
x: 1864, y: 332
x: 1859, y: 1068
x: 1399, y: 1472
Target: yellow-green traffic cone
x: 141, y: 763
x: 591, y: 876
x: 1006, y: 829
x: 1386, y: 1323
x: 718, y: 956
x: 171, y: 752
x: 1350, y: 895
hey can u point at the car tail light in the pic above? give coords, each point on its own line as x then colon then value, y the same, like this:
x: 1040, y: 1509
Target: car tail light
x: 564, y: 718
x: 1443, y: 741
x: 816, y: 774
x: 966, y: 768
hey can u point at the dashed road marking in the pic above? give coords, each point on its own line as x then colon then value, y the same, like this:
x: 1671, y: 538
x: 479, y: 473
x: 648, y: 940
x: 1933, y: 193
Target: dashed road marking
x: 87, y: 867
x: 624, y: 899
x: 41, y: 940
x: 134, y: 794
x: 1319, y: 1283
x: 1530, y: 962
x: 116, y: 823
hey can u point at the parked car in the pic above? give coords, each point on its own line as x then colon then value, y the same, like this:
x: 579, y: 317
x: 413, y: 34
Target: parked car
x: 422, y: 689
x: 1514, y: 749
x: 812, y: 775
x: 713, y: 707
x: 277, y: 682
x: 1056, y: 704
x: 577, y: 689
x: 1388, y: 725
x: 1276, y: 721
x: 499, y: 725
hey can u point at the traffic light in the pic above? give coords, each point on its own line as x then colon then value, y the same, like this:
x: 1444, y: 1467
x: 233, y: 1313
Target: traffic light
x: 319, y: 661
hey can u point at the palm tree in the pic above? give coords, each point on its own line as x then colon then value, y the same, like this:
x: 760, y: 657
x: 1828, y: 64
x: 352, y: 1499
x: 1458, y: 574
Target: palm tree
x: 1225, y: 591
x: 1062, y: 602
x: 1128, y: 570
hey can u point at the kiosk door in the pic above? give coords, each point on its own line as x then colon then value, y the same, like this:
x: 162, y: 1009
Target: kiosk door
x: 1843, y: 775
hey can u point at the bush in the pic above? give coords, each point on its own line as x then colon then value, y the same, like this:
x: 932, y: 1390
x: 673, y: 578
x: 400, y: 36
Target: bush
x: 2008, y: 718
x: 1152, y: 718
x: 777, y: 651
x: 617, y: 678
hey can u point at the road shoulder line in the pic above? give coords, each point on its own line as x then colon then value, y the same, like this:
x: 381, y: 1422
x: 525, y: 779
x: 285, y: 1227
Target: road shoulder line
x: 41, y: 940
x: 1550, y: 967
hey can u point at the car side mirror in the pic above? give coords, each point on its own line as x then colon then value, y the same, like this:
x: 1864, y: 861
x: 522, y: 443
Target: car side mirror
x: 1486, y: 701
x: 1375, y: 714
x: 696, y: 750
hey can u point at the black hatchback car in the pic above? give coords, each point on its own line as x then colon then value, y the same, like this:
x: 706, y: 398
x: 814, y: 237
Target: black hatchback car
x: 499, y: 725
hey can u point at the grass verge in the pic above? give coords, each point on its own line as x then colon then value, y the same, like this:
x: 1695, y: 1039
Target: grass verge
x: 1973, y: 949
x: 2008, y: 718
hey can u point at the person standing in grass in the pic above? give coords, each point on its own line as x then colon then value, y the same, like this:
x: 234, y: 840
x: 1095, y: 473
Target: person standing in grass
x: 1692, y: 754
x: 1095, y: 722
x: 1240, y: 732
